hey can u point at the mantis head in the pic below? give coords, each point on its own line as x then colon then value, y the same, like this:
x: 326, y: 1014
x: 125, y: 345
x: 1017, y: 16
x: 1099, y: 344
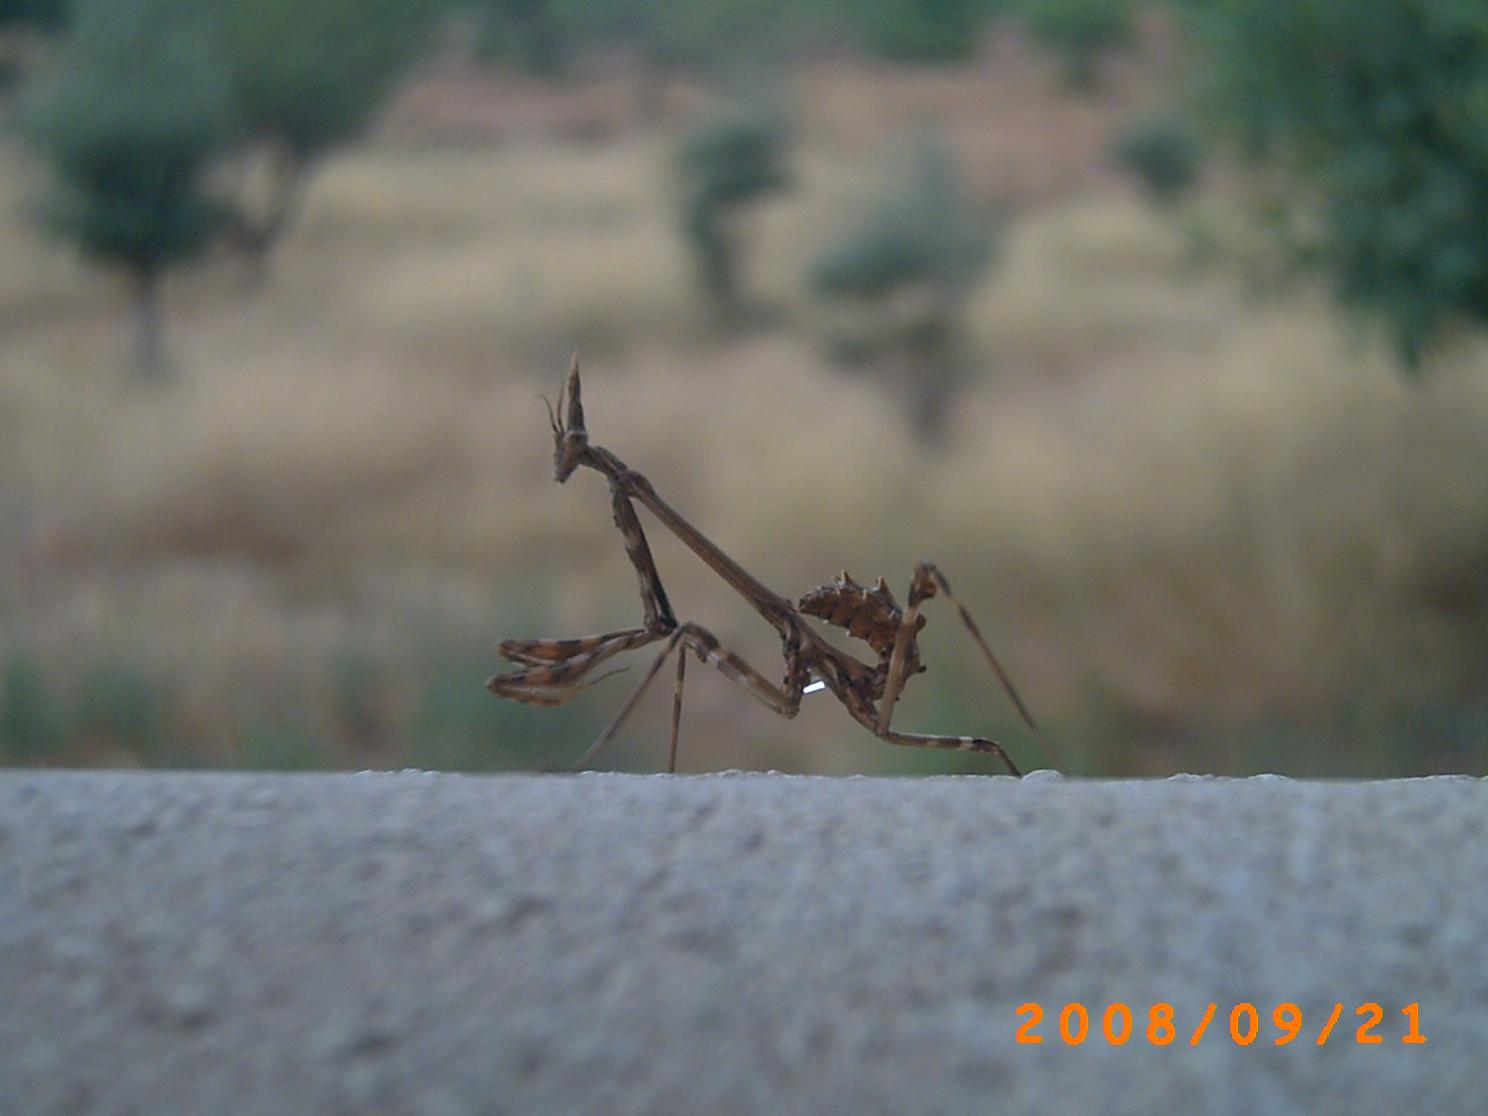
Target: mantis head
x: 570, y: 438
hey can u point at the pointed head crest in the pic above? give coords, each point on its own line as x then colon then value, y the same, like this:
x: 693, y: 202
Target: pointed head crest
x: 570, y: 438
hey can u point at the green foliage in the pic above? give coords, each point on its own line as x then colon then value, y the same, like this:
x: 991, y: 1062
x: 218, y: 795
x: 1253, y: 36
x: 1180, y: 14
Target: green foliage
x: 529, y: 34
x: 279, y: 743
x: 920, y: 230
x: 907, y: 265
x: 148, y: 91
x: 462, y: 727
x: 1166, y: 155
x: 310, y: 73
x: 921, y: 30
x: 1374, y: 112
x: 31, y: 725
x: 44, y: 14
x: 114, y: 708
x: 307, y: 75
x: 356, y: 698
x: 128, y: 119
x: 733, y: 159
x: 709, y: 34
x: 724, y: 165
x: 1080, y: 31
x: 120, y: 707
x: 730, y: 35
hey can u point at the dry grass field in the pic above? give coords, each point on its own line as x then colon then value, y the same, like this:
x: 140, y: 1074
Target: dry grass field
x: 1210, y: 531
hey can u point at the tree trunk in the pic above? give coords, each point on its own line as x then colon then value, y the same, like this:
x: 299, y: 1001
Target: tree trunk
x: 930, y: 367
x: 149, y: 363
x: 255, y: 238
x: 927, y: 389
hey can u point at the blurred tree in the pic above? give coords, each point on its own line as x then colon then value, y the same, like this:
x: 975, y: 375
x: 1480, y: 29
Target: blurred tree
x: 1081, y: 31
x: 921, y: 30
x: 24, y: 25
x: 529, y: 34
x: 31, y: 725
x: 727, y: 39
x: 1165, y: 153
x: 907, y: 267
x: 724, y: 165
x: 727, y: 36
x: 307, y: 75
x: 1374, y: 113
x: 127, y: 120
x: 43, y: 14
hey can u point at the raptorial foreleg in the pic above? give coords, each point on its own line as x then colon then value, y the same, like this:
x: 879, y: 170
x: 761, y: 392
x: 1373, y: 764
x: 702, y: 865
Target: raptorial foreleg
x: 927, y: 582
x: 555, y: 669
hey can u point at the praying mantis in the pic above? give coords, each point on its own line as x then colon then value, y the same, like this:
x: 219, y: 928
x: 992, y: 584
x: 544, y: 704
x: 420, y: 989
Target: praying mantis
x: 551, y: 671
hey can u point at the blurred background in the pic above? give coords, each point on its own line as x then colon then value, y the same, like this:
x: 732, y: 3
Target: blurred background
x: 1158, y: 326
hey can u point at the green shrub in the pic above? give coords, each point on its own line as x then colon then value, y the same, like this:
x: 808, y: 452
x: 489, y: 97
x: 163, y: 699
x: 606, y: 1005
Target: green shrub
x: 906, y: 266
x: 128, y: 119
x: 1080, y: 31
x: 462, y: 727
x: 31, y: 725
x: 1165, y: 154
x: 1373, y: 114
x: 921, y: 30
x: 528, y: 34
x: 308, y: 75
x: 120, y: 707
x: 707, y: 36
x: 724, y: 165
x: 43, y: 14
x: 356, y: 693
x: 277, y: 743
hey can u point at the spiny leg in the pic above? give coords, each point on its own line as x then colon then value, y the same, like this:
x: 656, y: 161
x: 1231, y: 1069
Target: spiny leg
x: 555, y: 668
x: 928, y: 580
x: 785, y: 701
x: 537, y: 652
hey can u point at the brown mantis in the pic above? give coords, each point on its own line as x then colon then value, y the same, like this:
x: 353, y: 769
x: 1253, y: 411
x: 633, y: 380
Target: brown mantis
x: 551, y: 671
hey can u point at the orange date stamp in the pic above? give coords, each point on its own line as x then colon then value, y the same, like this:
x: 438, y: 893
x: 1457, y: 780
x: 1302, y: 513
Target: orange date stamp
x: 1117, y: 1024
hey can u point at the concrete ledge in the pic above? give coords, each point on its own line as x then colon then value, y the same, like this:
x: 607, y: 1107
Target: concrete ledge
x: 224, y: 944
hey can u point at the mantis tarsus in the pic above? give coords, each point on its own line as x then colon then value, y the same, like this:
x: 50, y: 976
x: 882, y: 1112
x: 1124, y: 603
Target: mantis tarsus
x: 551, y: 671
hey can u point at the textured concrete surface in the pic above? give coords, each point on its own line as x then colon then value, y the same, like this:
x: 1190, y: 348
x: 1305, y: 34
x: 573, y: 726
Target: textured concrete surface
x: 412, y: 943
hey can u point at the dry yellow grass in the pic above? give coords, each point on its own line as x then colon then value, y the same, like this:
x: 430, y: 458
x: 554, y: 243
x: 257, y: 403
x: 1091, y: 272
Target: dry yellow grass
x: 1173, y: 506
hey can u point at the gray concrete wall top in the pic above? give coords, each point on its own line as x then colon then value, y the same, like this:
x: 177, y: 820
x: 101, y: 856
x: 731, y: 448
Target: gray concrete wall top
x: 440, y: 944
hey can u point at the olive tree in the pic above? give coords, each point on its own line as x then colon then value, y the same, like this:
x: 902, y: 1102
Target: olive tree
x: 306, y: 76
x: 726, y: 164
x: 904, y: 268
x: 1081, y: 32
x: 1370, y: 115
x: 128, y: 119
